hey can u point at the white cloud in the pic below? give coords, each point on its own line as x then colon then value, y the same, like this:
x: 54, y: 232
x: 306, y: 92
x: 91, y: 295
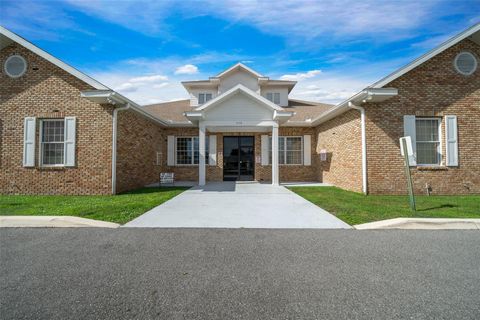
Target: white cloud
x: 346, y: 18
x: 135, y: 84
x: 152, y: 78
x: 301, y: 75
x: 160, y: 85
x: 187, y: 69
x: 329, y: 88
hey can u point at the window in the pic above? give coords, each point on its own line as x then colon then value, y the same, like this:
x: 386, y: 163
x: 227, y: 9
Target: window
x: 188, y: 150
x: 204, y: 97
x: 428, y: 141
x: 52, y: 142
x: 274, y: 97
x: 289, y: 150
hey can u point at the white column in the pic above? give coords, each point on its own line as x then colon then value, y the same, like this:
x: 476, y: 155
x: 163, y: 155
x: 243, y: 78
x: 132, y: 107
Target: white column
x: 201, y: 148
x: 275, y: 173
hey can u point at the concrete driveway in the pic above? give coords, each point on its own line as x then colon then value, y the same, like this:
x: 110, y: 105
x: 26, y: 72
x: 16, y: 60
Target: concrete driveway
x: 238, y: 205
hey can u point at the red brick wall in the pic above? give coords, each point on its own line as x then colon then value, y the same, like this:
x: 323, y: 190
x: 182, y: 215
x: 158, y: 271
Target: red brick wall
x: 45, y: 93
x: 432, y: 89
x: 139, y: 140
x: 341, y: 138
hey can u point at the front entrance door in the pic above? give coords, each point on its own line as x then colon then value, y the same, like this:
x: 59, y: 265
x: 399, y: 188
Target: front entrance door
x: 238, y: 158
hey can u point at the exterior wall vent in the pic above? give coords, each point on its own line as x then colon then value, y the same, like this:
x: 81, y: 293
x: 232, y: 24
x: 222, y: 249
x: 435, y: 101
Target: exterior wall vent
x: 465, y: 63
x: 15, y: 66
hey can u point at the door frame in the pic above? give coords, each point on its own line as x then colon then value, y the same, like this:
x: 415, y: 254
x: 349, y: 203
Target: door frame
x: 238, y: 161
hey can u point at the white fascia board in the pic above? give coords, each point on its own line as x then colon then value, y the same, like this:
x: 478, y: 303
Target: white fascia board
x: 239, y: 65
x: 282, y: 115
x: 234, y: 90
x: 42, y: 53
x: 367, y: 95
x: 114, y: 98
x: 297, y: 123
x: 427, y: 56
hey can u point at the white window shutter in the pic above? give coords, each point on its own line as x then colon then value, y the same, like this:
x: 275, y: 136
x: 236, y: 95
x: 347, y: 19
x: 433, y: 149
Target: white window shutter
x: 212, y: 152
x: 170, y: 150
x: 451, y: 140
x: 70, y: 135
x: 29, y: 142
x: 265, y: 150
x: 307, y: 150
x: 409, y: 130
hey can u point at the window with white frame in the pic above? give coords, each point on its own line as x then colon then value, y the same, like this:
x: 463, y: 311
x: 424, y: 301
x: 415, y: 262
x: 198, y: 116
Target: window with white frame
x: 204, y: 97
x: 187, y: 150
x: 274, y: 97
x: 290, y: 150
x: 428, y: 141
x: 52, y: 142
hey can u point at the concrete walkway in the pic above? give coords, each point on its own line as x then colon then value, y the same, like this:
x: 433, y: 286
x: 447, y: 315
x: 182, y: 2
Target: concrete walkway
x: 238, y: 205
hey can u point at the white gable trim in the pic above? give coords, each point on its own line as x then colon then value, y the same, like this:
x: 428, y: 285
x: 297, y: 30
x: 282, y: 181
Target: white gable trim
x: 427, y: 56
x: 238, y: 88
x: 30, y: 46
x: 242, y: 66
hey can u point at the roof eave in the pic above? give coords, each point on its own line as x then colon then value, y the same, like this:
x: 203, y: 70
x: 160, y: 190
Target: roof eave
x: 364, y: 96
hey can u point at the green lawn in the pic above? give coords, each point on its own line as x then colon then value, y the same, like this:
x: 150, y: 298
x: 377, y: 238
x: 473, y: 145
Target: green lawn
x: 356, y: 208
x: 120, y: 208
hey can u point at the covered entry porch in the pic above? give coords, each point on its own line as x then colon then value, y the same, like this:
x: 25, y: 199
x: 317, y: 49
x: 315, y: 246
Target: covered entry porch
x: 241, y: 113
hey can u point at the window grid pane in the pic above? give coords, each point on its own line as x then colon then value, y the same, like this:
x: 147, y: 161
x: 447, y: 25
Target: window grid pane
x: 428, y: 141
x: 188, y: 151
x: 53, y: 142
x: 289, y: 150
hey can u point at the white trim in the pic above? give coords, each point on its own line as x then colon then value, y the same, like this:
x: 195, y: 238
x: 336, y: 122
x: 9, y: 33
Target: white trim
x: 451, y: 162
x: 202, y: 171
x: 29, y: 135
x: 212, y: 152
x: 30, y: 46
x: 24, y: 62
x: 238, y: 88
x: 242, y: 66
x: 427, y: 56
x: 40, y: 142
x: 114, y: 146
x: 364, y: 146
x: 69, y: 152
x: 439, y: 147
x: 475, y: 63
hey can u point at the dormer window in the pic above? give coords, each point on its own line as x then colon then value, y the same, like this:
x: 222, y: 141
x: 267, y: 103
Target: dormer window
x: 274, y: 97
x: 204, y: 97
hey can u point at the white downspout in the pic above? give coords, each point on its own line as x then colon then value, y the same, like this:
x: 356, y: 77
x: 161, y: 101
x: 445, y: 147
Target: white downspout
x: 364, y: 145
x: 114, y: 145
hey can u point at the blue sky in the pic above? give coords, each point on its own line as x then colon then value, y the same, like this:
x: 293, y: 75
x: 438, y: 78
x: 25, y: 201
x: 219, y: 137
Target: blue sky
x: 144, y: 49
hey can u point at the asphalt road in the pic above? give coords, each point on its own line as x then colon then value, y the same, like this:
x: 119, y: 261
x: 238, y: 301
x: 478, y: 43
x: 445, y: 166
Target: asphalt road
x: 238, y: 274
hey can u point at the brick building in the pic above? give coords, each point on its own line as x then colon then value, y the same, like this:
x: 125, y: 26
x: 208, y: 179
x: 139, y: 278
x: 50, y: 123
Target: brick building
x: 63, y: 132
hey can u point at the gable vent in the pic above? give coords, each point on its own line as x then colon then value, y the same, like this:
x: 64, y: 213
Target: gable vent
x: 15, y: 66
x: 465, y: 63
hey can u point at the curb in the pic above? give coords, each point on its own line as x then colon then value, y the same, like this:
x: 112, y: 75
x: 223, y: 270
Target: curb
x: 422, y: 224
x: 53, y: 222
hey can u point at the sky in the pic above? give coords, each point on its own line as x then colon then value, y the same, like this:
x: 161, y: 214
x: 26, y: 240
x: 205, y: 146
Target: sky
x: 144, y: 49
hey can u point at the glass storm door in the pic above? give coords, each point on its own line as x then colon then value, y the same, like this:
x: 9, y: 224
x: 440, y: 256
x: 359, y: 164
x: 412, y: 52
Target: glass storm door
x: 238, y: 158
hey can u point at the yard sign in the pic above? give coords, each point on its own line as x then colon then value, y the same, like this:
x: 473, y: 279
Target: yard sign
x: 407, y: 151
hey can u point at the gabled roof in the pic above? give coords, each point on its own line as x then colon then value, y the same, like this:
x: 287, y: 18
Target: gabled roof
x: 235, y: 90
x: 377, y: 92
x: 427, y: 56
x: 7, y: 37
x: 239, y: 66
